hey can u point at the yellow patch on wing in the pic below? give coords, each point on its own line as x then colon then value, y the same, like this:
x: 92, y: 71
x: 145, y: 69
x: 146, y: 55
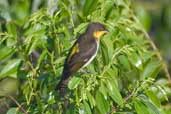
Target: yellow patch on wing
x: 98, y: 34
x: 74, y: 50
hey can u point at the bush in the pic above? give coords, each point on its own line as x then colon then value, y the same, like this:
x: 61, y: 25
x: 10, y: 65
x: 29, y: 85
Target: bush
x: 122, y: 78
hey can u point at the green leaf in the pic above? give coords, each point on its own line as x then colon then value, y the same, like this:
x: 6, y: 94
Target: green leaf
x: 140, y: 107
x: 8, y: 86
x: 74, y: 82
x: 144, y: 17
x: 135, y: 60
x: 35, y: 38
x: 104, y: 51
x: 10, y: 69
x: 91, y: 99
x: 102, y: 103
x: 113, y: 91
x: 80, y: 28
x: 109, y: 45
x: 88, y: 7
x: 5, y: 52
x: 51, y: 99
x: 59, y: 60
x: 86, y: 107
x: 151, y: 69
x: 96, y: 65
x: 103, y: 90
x: 113, y: 73
x: 153, y: 97
x: 41, y: 58
x: 13, y: 111
x: 11, y: 28
x: 107, y: 8
x: 151, y: 107
x: 123, y: 60
x: 124, y: 112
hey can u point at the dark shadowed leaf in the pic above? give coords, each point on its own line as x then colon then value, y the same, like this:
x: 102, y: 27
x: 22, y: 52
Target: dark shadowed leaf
x: 71, y: 110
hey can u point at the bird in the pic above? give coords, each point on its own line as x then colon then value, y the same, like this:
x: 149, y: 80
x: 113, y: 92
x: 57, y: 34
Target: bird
x: 82, y: 53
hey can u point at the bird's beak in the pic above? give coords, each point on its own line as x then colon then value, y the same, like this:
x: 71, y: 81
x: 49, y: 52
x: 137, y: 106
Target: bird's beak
x: 98, y: 34
x: 103, y: 32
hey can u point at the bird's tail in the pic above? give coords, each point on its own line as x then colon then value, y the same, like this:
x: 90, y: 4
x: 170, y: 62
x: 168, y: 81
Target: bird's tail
x: 62, y: 88
x: 62, y: 85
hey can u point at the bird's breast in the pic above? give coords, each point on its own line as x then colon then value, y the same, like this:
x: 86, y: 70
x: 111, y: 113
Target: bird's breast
x: 89, y: 60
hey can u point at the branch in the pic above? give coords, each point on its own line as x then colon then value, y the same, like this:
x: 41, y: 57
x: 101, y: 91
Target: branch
x: 18, y: 104
x: 157, y: 52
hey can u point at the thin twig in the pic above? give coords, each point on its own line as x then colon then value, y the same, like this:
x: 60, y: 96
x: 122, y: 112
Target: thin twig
x: 159, y: 57
x: 18, y: 104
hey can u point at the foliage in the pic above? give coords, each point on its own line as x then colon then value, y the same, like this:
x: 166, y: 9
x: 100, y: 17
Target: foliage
x: 155, y: 17
x: 122, y: 78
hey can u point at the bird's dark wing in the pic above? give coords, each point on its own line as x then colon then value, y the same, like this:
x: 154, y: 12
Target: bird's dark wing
x: 79, y: 55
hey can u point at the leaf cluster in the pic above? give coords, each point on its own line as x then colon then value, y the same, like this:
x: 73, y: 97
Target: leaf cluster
x: 121, y: 79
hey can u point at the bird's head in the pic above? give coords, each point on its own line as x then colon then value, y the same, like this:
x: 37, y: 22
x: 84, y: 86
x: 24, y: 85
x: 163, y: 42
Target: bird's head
x: 96, y: 29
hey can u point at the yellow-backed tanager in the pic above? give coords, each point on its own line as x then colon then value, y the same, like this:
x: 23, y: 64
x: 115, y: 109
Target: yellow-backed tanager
x: 82, y: 52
